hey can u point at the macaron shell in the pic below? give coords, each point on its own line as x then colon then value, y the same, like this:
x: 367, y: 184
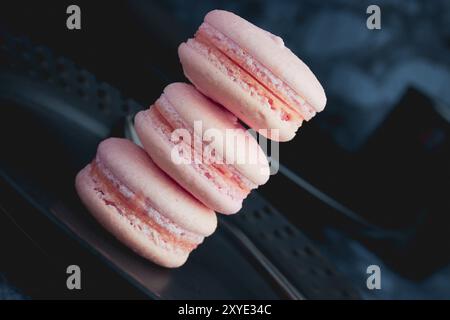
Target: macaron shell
x: 270, y: 51
x: 192, y: 106
x: 185, y: 174
x: 133, y: 167
x: 219, y: 87
x: 121, y: 228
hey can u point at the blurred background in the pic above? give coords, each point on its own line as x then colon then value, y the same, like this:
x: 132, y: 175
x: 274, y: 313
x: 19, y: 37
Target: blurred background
x: 381, y: 148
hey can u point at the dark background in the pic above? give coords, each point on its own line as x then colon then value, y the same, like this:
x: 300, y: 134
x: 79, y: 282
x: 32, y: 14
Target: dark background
x: 381, y: 147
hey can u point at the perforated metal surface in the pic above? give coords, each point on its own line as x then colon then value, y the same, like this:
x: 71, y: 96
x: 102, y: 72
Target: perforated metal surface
x: 290, y: 251
x: 38, y: 63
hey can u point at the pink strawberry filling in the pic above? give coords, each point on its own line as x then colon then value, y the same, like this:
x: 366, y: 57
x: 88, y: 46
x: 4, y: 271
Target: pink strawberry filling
x: 293, y: 100
x: 139, y: 212
x: 243, y: 79
x: 224, y: 176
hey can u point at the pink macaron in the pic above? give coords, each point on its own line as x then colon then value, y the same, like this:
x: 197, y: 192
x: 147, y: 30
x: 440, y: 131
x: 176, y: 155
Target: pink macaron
x: 203, y: 147
x: 251, y: 72
x: 141, y: 206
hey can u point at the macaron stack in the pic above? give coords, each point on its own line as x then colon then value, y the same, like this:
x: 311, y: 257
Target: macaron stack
x: 160, y: 200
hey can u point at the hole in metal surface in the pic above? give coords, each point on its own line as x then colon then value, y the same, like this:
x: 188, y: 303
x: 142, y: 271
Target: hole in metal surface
x: 257, y: 214
x: 278, y: 234
x: 267, y: 210
x: 289, y: 231
x: 328, y: 272
x: 296, y: 253
x: 309, y: 251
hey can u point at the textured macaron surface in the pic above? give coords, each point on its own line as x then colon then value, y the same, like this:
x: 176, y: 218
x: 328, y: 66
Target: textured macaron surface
x: 123, y: 184
x: 284, y: 68
x: 216, y: 127
x: 206, y: 169
x: 229, y: 57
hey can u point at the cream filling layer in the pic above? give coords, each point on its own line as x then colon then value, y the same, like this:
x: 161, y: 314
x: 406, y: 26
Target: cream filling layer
x: 257, y: 70
x: 210, y: 173
x: 212, y: 157
x: 162, y: 230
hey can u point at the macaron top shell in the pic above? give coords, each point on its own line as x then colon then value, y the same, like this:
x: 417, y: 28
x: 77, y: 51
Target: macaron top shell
x: 192, y: 106
x: 134, y: 169
x: 271, y: 52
